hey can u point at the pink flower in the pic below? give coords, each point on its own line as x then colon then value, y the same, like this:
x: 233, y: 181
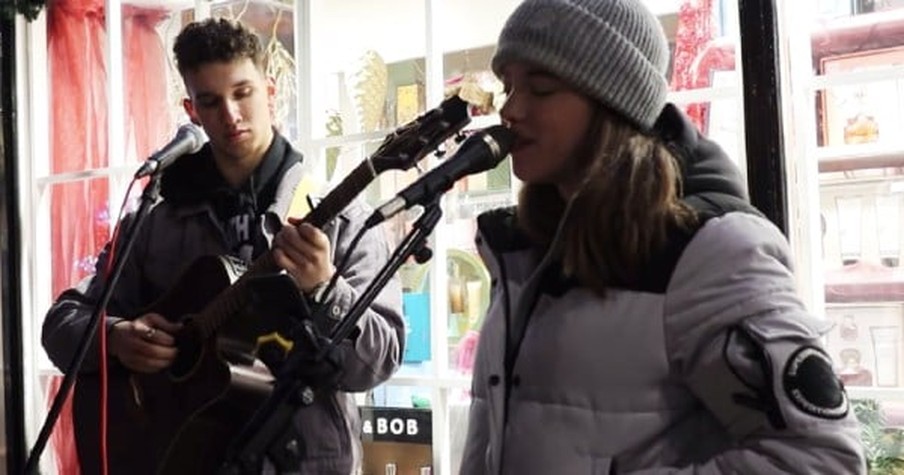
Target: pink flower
x: 466, y: 351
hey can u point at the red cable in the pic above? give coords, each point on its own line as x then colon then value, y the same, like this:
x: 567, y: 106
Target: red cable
x: 102, y: 338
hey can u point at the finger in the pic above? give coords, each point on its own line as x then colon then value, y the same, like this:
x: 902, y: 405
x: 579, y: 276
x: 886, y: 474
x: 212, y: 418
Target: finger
x: 294, y: 271
x: 290, y: 241
x: 159, y: 321
x: 301, y: 256
x: 295, y: 221
x: 283, y: 260
x: 147, y: 332
x: 147, y: 365
x: 159, y: 337
x: 147, y: 358
x: 152, y: 352
x: 295, y: 268
x: 282, y: 236
x: 292, y: 253
x: 159, y: 363
x: 313, y: 237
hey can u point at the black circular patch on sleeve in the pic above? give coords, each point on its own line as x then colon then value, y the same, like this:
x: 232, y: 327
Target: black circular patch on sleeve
x: 812, y: 385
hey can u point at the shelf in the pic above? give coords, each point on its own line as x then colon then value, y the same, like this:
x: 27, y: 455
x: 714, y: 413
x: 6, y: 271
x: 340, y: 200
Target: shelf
x: 858, y: 32
x: 858, y: 157
x: 475, y: 202
x: 850, y: 78
x: 878, y: 394
x: 430, y: 381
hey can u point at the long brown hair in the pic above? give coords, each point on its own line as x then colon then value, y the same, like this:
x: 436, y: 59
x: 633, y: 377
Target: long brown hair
x: 623, y: 211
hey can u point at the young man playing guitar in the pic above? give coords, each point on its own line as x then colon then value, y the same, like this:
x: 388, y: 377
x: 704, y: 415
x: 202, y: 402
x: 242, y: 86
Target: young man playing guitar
x: 214, y: 203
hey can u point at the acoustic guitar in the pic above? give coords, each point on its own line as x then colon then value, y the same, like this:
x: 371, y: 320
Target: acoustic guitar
x: 181, y: 421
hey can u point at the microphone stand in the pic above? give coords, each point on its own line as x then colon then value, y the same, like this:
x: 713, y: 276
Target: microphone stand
x: 148, y: 197
x: 265, y: 434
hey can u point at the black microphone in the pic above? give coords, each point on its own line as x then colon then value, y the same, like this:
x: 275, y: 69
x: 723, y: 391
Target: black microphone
x: 188, y: 139
x: 480, y: 152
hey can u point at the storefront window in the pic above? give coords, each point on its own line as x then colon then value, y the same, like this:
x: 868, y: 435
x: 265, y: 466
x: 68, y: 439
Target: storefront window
x: 359, y: 70
x: 848, y: 156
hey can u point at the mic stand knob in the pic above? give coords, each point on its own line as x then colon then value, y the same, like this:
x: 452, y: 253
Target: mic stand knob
x: 423, y: 255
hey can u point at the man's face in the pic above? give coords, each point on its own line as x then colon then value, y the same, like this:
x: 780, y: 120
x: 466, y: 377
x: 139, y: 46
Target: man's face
x: 233, y: 102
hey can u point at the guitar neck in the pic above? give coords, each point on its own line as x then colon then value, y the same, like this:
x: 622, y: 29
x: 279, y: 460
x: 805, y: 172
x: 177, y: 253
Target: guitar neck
x: 340, y: 197
x: 235, y: 297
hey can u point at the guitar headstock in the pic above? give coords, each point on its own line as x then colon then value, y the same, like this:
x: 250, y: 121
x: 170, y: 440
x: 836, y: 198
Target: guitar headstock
x: 408, y: 144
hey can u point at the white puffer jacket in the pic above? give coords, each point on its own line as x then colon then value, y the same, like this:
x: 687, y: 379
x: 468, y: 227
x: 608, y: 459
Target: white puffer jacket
x: 709, y: 365
x: 720, y: 372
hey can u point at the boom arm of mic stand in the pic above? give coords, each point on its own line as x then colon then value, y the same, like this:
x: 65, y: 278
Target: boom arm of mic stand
x: 148, y: 197
x: 248, y: 449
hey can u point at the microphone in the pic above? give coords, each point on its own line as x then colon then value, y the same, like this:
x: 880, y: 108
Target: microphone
x: 188, y: 139
x: 480, y: 152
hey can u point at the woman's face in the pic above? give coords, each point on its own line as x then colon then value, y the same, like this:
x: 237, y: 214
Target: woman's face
x: 550, y: 121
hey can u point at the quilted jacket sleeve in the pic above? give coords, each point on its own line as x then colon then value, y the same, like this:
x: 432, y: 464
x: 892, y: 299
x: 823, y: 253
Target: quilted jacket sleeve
x: 746, y: 347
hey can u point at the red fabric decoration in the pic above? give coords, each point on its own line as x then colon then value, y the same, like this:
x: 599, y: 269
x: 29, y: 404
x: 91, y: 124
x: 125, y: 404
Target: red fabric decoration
x: 78, y: 135
x: 78, y: 141
x: 80, y: 218
x: 695, y: 30
x: 148, y: 122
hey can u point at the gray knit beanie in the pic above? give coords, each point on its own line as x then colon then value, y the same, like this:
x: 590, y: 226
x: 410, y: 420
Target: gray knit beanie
x: 613, y: 50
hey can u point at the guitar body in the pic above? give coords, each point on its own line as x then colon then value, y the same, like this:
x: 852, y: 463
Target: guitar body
x: 161, y: 424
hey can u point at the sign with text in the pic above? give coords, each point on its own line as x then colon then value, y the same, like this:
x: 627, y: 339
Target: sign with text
x: 391, y: 424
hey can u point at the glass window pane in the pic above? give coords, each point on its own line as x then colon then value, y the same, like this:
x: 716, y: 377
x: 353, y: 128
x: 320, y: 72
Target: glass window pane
x: 468, y: 50
x: 704, y: 40
x: 80, y: 226
x: 367, y: 61
x: 150, y: 107
x: 466, y: 72
x: 847, y: 153
x: 274, y: 23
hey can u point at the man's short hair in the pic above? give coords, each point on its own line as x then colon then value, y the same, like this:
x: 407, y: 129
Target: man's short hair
x: 216, y: 40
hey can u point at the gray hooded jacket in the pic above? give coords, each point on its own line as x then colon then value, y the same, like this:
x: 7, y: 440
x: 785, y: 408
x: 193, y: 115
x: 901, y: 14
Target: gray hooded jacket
x: 182, y: 228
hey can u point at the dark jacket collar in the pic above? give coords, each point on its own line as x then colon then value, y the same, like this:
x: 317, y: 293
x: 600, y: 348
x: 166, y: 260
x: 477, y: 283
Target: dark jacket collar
x: 195, y: 179
x: 706, y: 168
x: 712, y: 183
